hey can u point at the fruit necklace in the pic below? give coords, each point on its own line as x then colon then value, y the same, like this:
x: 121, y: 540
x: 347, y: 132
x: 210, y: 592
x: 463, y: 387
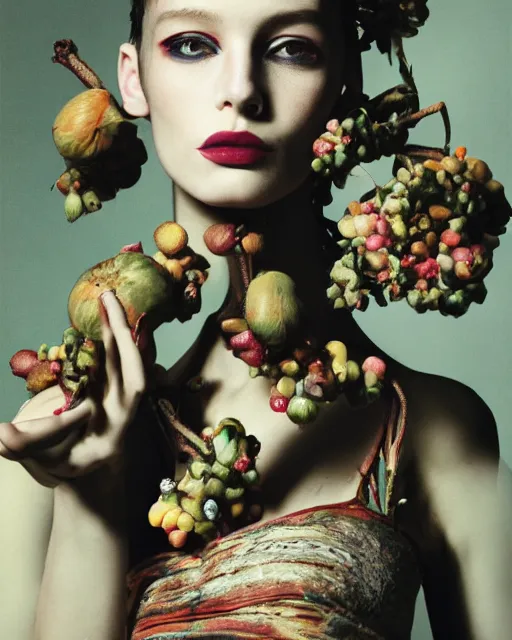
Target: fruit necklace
x: 427, y: 236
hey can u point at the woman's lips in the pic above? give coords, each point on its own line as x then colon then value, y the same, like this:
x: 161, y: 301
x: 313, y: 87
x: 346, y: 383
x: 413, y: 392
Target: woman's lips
x: 236, y: 148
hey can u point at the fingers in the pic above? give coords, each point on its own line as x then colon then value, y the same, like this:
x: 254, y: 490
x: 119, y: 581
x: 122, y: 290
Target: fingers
x: 23, y: 439
x: 126, y: 356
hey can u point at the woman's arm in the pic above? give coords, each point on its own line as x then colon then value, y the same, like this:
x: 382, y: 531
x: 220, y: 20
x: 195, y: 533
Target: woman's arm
x: 468, y: 556
x: 83, y: 593
x: 80, y: 452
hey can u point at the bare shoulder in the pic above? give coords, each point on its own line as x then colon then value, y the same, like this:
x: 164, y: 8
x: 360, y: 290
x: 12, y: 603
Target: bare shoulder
x: 449, y: 419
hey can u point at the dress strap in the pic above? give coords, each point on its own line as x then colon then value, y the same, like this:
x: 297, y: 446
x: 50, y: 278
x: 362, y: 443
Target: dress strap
x: 379, y: 469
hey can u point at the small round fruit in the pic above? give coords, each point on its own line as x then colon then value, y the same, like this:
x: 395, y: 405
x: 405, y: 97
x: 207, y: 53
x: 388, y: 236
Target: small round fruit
x: 170, y: 238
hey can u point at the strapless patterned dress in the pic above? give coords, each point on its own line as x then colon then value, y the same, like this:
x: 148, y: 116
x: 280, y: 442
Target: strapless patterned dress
x: 323, y: 573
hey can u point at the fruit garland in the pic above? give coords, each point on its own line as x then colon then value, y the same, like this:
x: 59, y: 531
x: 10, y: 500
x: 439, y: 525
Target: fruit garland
x: 152, y: 290
x: 219, y: 491
x: 269, y: 337
x: 427, y: 236
x: 96, y: 139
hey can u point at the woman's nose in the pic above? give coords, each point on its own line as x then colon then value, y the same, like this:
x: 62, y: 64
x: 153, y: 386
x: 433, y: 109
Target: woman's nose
x: 238, y: 87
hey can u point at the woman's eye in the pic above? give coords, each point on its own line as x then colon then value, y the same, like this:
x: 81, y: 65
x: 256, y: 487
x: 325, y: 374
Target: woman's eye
x: 302, y: 52
x: 189, y: 48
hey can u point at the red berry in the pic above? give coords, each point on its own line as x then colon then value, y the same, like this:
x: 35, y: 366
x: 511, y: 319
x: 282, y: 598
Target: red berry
x: 279, y: 403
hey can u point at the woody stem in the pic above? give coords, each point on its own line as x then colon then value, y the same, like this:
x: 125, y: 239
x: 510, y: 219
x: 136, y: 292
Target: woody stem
x: 66, y: 54
x: 439, y: 107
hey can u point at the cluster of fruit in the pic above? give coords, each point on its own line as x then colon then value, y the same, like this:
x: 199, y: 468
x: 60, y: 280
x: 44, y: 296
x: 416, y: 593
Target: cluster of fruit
x: 216, y: 494
x: 151, y: 291
x: 102, y: 152
x: 427, y: 236
x: 357, y: 139
x: 188, y: 270
x: 303, y: 376
x: 226, y: 239
x: 68, y: 364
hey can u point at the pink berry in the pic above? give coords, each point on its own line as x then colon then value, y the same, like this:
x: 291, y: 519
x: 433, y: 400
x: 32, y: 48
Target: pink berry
x: 376, y: 365
x: 333, y: 125
x: 451, y: 238
x: 367, y: 207
x: 375, y: 242
x: 132, y: 248
x: 383, y: 227
x: 462, y: 254
x: 322, y: 147
x: 279, y: 403
x: 55, y: 367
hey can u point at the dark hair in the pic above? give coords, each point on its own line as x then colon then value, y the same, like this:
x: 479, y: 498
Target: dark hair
x: 136, y: 18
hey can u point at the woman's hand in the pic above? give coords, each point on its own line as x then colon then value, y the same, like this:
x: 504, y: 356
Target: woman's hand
x: 89, y: 436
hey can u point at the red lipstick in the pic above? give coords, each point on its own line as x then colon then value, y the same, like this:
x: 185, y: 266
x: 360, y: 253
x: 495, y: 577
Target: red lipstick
x: 234, y: 148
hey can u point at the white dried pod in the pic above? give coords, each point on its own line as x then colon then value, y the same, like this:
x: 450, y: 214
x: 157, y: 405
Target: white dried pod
x: 211, y: 509
x: 403, y: 175
x: 441, y: 177
x: 445, y: 262
x: 167, y: 486
x: 419, y: 170
x: 399, y: 189
x: 348, y: 124
x: 392, y: 206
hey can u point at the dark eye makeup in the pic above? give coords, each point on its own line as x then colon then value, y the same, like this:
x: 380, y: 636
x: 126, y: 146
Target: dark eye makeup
x: 192, y: 47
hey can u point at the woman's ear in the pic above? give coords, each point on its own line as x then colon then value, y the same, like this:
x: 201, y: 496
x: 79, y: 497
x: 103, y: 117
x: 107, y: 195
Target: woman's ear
x: 130, y: 86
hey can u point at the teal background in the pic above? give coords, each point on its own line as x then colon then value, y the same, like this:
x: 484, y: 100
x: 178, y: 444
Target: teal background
x: 462, y: 56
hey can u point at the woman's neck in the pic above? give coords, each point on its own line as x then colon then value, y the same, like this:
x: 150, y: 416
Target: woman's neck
x: 294, y: 243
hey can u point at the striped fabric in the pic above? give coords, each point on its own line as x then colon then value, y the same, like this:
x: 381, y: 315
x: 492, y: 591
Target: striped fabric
x: 334, y: 571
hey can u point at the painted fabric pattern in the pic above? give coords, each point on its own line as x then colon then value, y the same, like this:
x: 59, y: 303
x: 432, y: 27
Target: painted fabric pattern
x: 323, y: 573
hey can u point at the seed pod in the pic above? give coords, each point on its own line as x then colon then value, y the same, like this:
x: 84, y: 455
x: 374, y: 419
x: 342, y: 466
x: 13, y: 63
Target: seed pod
x: 175, y: 269
x: 353, y: 371
x: 302, y: 410
x: 403, y: 175
x: 157, y: 512
x: 178, y: 538
x: 433, y: 165
x: 419, y: 249
x: 252, y: 243
x: 170, y: 519
x: 376, y: 365
x: 234, y: 325
x: 170, y: 238
x: 272, y: 309
x: 337, y: 350
x: 286, y: 387
x: 23, y: 362
x: 494, y: 187
x: 290, y: 368
x: 370, y: 379
x: 237, y: 508
x: 451, y: 164
x: 439, y: 213
x: 160, y: 257
x: 346, y: 227
x: 41, y: 377
x: 91, y: 201
x: 73, y: 206
x: 478, y: 170
x: 220, y: 238
x: 431, y: 239
x: 354, y: 208
x: 86, y: 125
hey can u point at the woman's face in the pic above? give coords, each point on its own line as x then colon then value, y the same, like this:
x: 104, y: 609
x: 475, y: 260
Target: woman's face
x: 269, y: 67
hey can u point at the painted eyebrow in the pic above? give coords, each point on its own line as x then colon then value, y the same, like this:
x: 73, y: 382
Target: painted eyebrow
x: 278, y: 20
